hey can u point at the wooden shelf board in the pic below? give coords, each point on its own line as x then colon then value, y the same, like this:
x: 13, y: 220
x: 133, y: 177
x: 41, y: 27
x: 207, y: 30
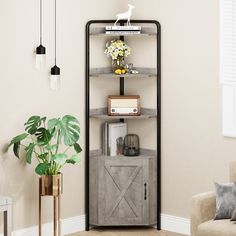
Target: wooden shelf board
x: 100, y: 31
x: 107, y: 72
x: 148, y: 153
x: 122, y: 157
x: 101, y: 113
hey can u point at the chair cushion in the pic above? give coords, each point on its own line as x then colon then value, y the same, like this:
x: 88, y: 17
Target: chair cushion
x: 225, y: 200
x: 217, y: 228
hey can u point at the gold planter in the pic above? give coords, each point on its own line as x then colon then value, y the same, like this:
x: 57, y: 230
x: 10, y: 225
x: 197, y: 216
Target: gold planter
x: 50, y: 185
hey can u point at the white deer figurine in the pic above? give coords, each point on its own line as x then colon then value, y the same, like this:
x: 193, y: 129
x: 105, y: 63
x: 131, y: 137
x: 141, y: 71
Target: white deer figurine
x: 126, y: 15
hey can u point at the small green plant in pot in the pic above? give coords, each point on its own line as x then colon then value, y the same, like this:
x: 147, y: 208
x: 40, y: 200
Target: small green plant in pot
x: 49, y: 142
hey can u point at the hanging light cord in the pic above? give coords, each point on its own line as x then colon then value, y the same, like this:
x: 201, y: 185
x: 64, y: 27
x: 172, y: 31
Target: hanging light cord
x: 41, y: 23
x: 55, y: 32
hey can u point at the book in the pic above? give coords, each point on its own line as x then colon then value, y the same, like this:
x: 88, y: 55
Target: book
x: 105, y: 139
x: 123, y: 28
x: 116, y: 134
x: 123, y: 32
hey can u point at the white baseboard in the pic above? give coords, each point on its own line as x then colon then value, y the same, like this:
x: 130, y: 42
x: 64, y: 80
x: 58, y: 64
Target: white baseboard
x: 77, y: 224
x: 68, y: 226
x: 175, y: 224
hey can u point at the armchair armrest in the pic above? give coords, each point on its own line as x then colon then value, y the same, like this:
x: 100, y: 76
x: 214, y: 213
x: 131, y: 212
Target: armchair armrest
x: 203, y: 209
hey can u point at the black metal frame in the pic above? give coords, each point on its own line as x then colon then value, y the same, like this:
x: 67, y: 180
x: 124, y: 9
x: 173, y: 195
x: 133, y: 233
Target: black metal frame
x: 87, y: 128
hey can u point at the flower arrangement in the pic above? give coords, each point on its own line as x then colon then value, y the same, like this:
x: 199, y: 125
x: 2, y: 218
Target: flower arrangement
x: 118, y: 50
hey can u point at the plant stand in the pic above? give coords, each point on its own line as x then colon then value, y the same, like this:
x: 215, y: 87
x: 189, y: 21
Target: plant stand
x: 56, y: 190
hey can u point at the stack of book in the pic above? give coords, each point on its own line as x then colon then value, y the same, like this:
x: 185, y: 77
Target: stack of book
x: 123, y: 29
x: 113, y: 138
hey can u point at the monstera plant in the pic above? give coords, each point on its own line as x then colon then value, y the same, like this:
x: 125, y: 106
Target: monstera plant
x: 49, y: 142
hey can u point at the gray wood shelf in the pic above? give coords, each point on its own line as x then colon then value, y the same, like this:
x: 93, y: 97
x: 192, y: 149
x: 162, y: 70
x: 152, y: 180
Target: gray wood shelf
x: 107, y: 72
x: 101, y: 113
x: 147, y: 153
x: 100, y: 31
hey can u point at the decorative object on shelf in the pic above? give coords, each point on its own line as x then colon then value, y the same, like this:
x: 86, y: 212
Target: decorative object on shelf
x: 128, y: 105
x: 131, y: 145
x: 118, y: 50
x: 125, y: 16
x: 113, y: 138
x: 123, y: 30
x: 55, y: 80
x: 130, y: 69
x: 40, y: 57
x: 46, y: 146
x: 116, y: 131
x: 120, y: 145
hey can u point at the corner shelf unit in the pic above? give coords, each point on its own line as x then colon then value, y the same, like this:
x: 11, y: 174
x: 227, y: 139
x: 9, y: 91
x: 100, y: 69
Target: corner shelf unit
x: 150, y: 28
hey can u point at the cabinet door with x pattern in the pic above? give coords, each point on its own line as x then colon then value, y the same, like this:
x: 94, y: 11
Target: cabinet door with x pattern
x: 123, y: 192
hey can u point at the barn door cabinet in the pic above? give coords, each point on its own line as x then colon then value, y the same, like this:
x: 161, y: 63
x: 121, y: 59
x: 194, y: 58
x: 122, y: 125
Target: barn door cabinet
x: 122, y: 191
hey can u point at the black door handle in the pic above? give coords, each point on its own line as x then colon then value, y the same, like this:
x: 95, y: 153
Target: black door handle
x: 145, y: 191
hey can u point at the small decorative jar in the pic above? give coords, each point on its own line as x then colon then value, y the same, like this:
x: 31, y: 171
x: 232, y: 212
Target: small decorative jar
x: 131, y: 145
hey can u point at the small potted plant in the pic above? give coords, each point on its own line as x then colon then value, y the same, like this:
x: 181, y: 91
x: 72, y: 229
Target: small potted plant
x: 49, y: 143
x: 118, y: 50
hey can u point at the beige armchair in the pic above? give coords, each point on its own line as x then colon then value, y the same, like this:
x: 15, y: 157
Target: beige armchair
x: 203, y: 212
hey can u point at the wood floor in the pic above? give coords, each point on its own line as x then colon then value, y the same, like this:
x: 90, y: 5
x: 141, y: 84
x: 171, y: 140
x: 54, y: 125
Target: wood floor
x: 125, y: 232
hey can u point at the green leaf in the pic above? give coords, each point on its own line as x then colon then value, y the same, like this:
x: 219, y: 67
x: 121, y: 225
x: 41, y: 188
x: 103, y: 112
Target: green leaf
x: 18, y: 139
x: 53, y: 126
x: 43, y: 156
x: 42, y: 168
x: 33, y: 123
x: 60, y: 158
x: 77, y: 148
x: 16, y: 149
x: 73, y: 160
x: 68, y: 127
x: 29, y: 151
x: 52, y: 147
x: 43, y: 136
x: 70, y: 130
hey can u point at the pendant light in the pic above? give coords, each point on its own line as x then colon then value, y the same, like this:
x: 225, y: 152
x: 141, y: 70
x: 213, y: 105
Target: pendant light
x: 40, y: 57
x: 55, y: 80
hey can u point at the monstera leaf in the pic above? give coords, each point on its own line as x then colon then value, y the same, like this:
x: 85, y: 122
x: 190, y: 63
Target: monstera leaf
x: 42, y: 168
x: 73, y: 160
x: 77, y: 148
x: 16, y: 149
x: 60, y: 159
x: 18, y: 138
x: 33, y: 123
x: 43, y: 136
x: 16, y: 141
x: 29, y: 152
x: 67, y: 127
